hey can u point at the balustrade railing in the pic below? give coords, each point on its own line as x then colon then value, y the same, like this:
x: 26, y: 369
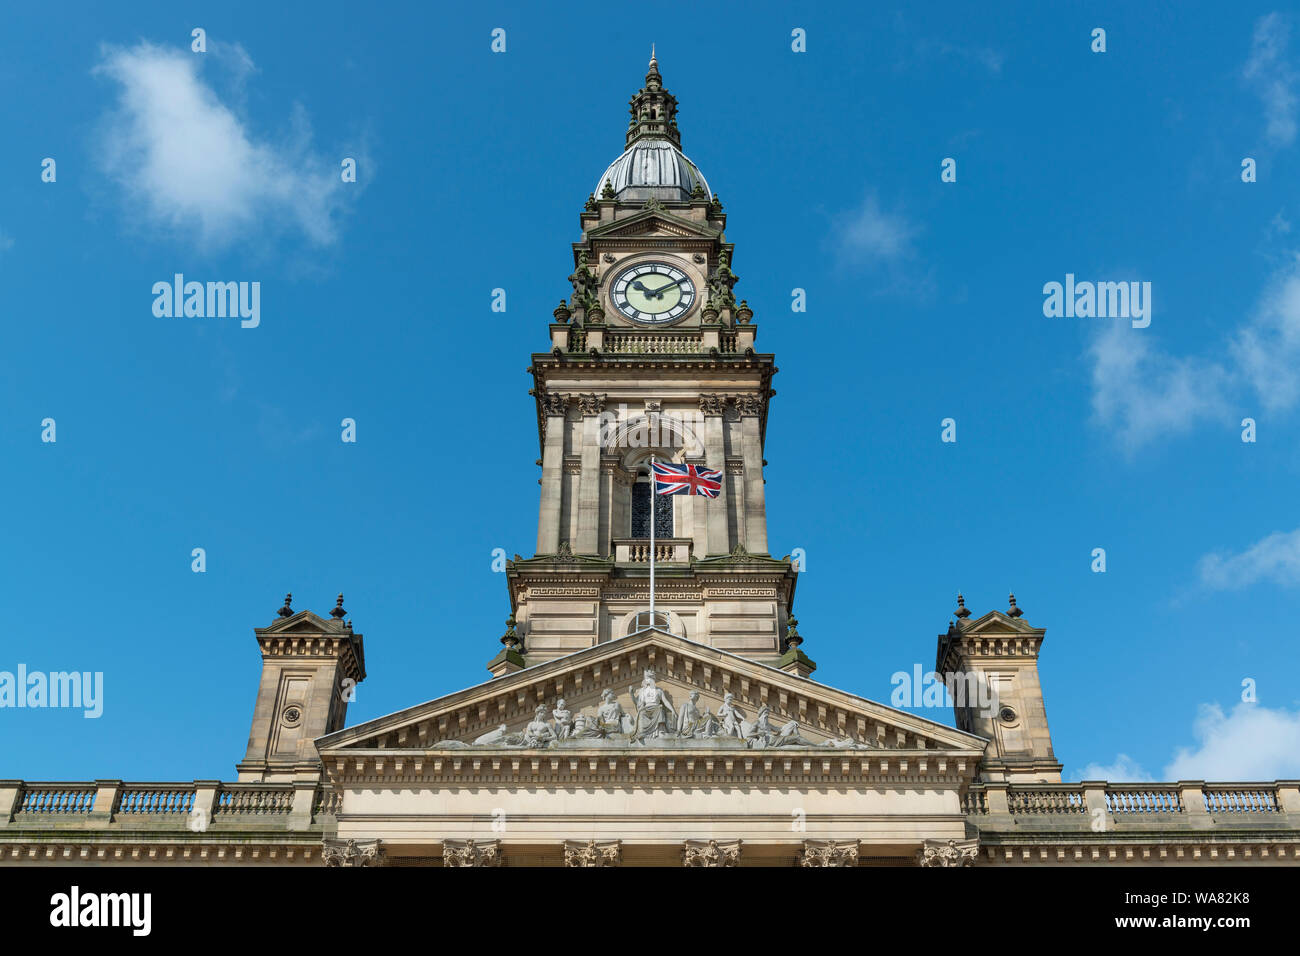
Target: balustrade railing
x: 57, y: 799
x: 1047, y: 798
x: 150, y: 799
x: 653, y: 343
x: 253, y: 800
x: 1240, y: 799
x: 1121, y: 799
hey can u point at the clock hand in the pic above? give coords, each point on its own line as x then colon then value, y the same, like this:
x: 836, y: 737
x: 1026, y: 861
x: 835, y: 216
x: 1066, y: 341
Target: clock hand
x: 659, y: 292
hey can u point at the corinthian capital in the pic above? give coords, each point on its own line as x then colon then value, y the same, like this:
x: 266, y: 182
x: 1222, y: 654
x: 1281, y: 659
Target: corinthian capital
x: 829, y: 853
x: 711, y: 853
x: 352, y: 853
x: 554, y: 403
x: 951, y: 853
x: 591, y: 404
x: 713, y: 404
x: 749, y: 404
x: 469, y: 853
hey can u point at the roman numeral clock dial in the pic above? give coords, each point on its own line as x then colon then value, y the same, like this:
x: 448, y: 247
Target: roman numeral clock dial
x: 652, y: 293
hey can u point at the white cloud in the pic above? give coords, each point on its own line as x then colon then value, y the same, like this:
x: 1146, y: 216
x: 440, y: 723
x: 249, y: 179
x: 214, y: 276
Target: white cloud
x: 193, y: 166
x: 1124, y: 770
x: 1142, y: 392
x: 1267, y: 350
x: 873, y: 235
x: 1272, y: 77
x: 1251, y: 743
x: 1275, y: 558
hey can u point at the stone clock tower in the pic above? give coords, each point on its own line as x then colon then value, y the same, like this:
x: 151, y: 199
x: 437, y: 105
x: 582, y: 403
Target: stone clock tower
x: 651, y: 355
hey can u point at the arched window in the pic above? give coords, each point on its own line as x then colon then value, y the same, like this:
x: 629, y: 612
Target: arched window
x: 663, y: 506
x: 642, y: 619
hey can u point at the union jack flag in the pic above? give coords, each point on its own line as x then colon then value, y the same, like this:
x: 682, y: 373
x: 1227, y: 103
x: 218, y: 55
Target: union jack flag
x: 686, y: 480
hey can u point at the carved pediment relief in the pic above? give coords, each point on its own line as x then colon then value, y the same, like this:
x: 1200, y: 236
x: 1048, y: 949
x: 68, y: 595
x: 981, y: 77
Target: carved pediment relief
x: 649, y: 692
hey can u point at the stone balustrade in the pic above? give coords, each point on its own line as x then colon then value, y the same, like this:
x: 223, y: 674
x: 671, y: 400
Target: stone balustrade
x: 638, y: 342
x: 112, y: 804
x: 1186, y: 804
x: 667, y: 550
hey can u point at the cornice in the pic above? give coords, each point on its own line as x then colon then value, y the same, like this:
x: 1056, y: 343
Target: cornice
x: 787, y: 767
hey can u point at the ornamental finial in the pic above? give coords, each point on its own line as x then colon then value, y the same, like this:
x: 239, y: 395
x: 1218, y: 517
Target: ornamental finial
x: 1013, y: 611
x: 962, y: 611
x: 338, y: 611
x: 287, y: 610
x: 510, y: 639
x: 792, y: 636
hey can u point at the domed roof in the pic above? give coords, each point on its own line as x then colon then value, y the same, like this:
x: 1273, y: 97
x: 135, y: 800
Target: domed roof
x: 653, y: 167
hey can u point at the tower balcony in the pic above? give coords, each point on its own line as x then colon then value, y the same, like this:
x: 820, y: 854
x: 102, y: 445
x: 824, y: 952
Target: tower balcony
x: 617, y: 342
x: 667, y: 550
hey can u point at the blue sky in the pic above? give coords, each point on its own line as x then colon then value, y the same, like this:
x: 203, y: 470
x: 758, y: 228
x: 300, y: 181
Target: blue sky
x: 925, y: 301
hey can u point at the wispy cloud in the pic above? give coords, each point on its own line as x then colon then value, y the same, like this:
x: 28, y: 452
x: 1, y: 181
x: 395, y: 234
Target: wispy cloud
x: 193, y: 166
x: 1274, y: 558
x: 1141, y: 392
x: 1269, y: 72
x: 983, y: 56
x: 871, y: 234
x: 1124, y: 769
x: 1252, y: 742
x: 1267, y: 349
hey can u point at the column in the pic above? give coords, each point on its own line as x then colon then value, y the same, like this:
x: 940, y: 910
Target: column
x: 548, y: 520
x: 589, y: 482
x: 715, y: 457
x: 751, y: 447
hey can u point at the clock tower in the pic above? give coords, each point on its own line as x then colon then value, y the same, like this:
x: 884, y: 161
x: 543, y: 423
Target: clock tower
x: 651, y: 355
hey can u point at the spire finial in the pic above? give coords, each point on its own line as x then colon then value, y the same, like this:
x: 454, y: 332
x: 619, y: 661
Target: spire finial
x: 653, y: 81
x: 287, y: 610
x: 962, y: 611
x: 338, y: 611
x: 1013, y: 611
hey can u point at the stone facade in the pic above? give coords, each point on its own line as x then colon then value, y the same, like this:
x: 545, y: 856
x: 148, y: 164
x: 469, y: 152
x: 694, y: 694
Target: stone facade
x: 607, y: 736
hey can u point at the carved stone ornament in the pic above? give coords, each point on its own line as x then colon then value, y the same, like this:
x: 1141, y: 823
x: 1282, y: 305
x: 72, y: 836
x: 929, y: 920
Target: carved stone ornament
x: 471, y: 853
x: 713, y: 404
x: 554, y: 403
x: 591, y: 853
x: 829, y: 853
x: 352, y: 853
x: 951, y: 853
x: 591, y: 404
x: 711, y: 853
x: 749, y: 404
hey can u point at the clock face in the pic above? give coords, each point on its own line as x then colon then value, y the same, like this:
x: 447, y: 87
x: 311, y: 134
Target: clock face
x: 652, y: 293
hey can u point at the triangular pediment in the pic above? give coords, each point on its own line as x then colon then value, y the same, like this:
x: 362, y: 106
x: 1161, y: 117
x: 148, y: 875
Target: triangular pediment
x: 301, y: 622
x: 654, y: 222
x: 996, y: 622
x: 826, y: 718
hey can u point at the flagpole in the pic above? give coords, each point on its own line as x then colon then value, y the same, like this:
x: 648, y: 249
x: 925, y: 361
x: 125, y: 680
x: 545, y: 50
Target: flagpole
x: 653, y: 514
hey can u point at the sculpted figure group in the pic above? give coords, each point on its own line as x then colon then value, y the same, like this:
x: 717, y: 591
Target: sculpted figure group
x: 655, y: 717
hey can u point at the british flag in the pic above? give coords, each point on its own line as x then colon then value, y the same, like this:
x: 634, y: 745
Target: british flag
x: 686, y: 480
